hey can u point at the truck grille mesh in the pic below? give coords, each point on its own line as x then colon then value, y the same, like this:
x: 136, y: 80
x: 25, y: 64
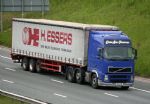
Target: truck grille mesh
x: 119, y: 78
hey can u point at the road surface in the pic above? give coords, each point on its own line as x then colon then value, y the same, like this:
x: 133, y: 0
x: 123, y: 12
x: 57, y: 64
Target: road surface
x: 53, y: 88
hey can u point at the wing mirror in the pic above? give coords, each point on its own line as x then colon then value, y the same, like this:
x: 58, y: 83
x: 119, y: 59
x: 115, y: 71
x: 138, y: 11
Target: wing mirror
x: 134, y: 53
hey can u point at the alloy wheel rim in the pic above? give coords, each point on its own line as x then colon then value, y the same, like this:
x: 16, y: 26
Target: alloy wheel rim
x: 31, y: 68
x: 94, y: 81
x: 78, y: 75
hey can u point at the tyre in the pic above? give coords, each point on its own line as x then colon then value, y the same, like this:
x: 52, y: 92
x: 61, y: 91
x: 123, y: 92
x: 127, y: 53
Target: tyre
x: 38, y: 68
x: 125, y: 87
x: 79, y: 75
x: 94, y: 81
x: 25, y: 64
x: 32, y: 64
x: 70, y: 74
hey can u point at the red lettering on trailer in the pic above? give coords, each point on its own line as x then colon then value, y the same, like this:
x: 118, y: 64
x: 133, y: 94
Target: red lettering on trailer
x: 61, y: 38
x: 57, y: 37
x: 69, y: 39
x: 43, y: 35
x: 52, y: 36
x: 32, y: 36
x: 49, y: 36
x: 65, y: 38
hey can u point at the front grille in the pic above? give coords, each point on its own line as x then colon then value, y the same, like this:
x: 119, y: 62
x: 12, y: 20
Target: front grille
x: 119, y: 78
x: 119, y: 81
x: 119, y: 70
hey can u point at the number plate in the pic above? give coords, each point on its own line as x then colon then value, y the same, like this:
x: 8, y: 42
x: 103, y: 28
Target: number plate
x: 118, y: 84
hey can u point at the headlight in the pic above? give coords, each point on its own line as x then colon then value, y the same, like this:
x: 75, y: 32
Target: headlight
x: 132, y: 78
x: 106, y: 78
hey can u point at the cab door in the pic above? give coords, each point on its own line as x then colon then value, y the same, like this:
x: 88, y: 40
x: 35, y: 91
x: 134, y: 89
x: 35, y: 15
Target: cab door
x: 94, y: 60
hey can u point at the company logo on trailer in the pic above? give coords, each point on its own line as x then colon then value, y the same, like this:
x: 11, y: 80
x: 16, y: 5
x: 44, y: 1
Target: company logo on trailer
x: 32, y: 36
x: 25, y: 36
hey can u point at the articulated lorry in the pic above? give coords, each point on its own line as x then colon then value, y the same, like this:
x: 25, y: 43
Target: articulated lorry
x: 101, y: 55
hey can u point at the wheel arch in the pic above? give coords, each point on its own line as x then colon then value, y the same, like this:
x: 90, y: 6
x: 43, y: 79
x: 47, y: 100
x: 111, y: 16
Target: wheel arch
x: 94, y: 72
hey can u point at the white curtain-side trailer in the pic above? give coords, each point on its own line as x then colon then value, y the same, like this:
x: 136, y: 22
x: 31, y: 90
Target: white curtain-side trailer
x: 40, y: 44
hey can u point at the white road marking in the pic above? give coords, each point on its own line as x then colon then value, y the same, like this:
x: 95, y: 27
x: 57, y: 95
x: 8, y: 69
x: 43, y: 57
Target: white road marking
x: 63, y: 96
x: 56, y: 81
x: 111, y: 95
x: 22, y: 97
x: 10, y: 69
x: 8, y: 81
x: 5, y: 57
x: 140, y: 89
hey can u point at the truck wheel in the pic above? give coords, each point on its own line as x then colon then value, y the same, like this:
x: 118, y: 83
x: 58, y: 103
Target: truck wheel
x: 94, y: 81
x: 32, y: 63
x: 79, y: 75
x: 25, y: 63
x: 125, y: 87
x: 70, y: 74
x: 38, y: 69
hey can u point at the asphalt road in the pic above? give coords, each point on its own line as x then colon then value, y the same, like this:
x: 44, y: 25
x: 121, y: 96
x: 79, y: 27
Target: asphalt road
x: 53, y: 88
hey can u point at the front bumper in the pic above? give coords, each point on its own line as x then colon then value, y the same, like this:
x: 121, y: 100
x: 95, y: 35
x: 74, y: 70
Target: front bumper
x: 100, y: 83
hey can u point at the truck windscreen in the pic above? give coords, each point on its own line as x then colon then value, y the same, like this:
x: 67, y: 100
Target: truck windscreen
x: 118, y: 53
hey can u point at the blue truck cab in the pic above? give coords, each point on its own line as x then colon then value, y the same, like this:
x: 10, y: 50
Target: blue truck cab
x: 111, y: 59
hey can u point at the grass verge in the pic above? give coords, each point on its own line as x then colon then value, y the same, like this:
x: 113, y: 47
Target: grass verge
x: 7, y: 100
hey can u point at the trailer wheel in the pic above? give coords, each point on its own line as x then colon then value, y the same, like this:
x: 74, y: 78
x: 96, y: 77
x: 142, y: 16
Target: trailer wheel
x: 32, y: 64
x: 70, y: 74
x: 38, y: 69
x: 79, y: 75
x: 125, y: 87
x: 94, y: 81
x: 25, y: 63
